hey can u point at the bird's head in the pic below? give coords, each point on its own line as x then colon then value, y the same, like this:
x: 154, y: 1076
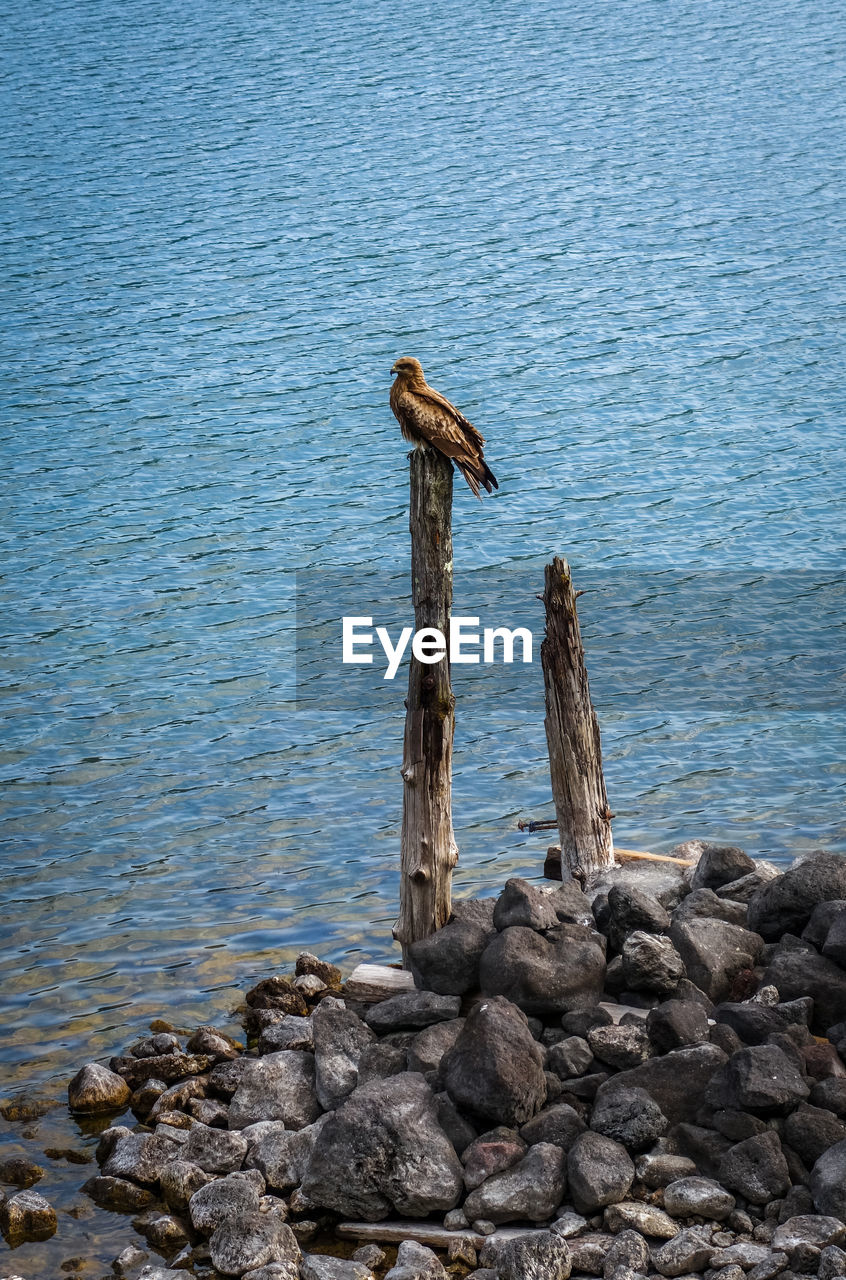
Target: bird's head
x: 408, y: 367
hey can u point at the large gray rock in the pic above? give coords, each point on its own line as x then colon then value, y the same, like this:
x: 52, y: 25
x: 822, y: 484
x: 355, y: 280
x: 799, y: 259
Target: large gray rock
x: 802, y: 972
x: 384, y: 1150
x: 412, y: 1011
x: 95, y: 1090
x: 629, y: 1116
x: 630, y: 910
x: 715, y: 952
x: 281, y: 1155
x: 705, y: 903
x: 599, y: 1172
x: 244, y: 1244
x: 621, y: 1046
x: 179, y: 1181
x: 698, y: 1197
x: 756, y: 1168
x: 492, y: 1153
x: 141, y: 1157
x: 495, y: 1067
x: 543, y: 1255
x: 828, y: 1182
x: 673, y: 1024
x: 214, y: 1150
x: 429, y: 1045
x: 537, y: 906
x: 340, y: 1038
x: 416, y: 1262
x: 560, y: 1124
x: 545, y: 973
x: 720, y: 864
x: 279, y: 1086
x: 785, y: 904
x: 26, y: 1215
x: 687, y: 1252
x: 227, y: 1199
x: 676, y: 1081
x: 758, y: 1078
x: 533, y: 1188
x: 318, y: 1266
x: 810, y: 1131
x: 629, y: 1250
x: 808, y: 1228
x: 651, y: 963
x: 448, y: 960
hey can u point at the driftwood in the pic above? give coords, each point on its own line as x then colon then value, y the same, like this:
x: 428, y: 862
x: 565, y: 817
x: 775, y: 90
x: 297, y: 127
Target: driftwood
x: 371, y: 983
x: 428, y: 849
x: 572, y: 735
x: 426, y: 1233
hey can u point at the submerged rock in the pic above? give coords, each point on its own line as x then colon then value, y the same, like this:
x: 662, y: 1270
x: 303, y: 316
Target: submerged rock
x: 95, y: 1090
x: 27, y: 1216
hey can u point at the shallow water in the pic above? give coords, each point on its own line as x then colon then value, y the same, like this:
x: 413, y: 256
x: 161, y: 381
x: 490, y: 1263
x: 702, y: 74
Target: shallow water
x: 614, y: 238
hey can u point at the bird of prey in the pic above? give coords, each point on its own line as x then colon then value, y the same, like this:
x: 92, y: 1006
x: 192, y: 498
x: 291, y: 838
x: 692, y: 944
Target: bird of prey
x: 427, y: 417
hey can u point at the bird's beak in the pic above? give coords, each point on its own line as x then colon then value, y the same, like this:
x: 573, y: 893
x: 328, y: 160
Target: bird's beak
x: 393, y: 368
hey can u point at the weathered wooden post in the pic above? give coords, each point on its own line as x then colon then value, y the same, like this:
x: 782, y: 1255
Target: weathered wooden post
x: 428, y: 849
x: 572, y: 735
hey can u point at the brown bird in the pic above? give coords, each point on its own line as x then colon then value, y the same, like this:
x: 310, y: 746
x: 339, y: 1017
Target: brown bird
x: 427, y: 417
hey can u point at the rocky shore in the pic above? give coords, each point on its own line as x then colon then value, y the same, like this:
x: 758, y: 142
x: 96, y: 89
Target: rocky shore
x: 647, y: 1080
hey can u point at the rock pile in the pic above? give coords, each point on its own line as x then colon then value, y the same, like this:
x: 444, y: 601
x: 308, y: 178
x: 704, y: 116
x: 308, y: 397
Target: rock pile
x: 654, y: 1082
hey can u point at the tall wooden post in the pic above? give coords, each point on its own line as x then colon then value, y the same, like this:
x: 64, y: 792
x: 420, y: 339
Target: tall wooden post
x: 428, y: 850
x: 572, y: 734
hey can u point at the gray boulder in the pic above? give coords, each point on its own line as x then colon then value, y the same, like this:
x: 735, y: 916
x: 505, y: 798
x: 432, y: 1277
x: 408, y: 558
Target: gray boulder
x: 673, y: 1024
x: 756, y: 1168
x: 340, y: 1038
x: 319, y: 1266
x: 621, y: 1046
x: 533, y: 1188
x: 631, y: 910
x: 599, y: 1172
x: 214, y: 1150
x: 810, y: 1131
x: 715, y: 952
x: 560, y: 1124
x: 798, y: 972
x: 808, y: 1228
x: 651, y: 963
x: 448, y: 960
x: 704, y: 903
x: 25, y: 1216
x: 95, y: 1090
x: 698, y: 1197
x: 570, y: 1057
x: 543, y: 1255
x: 225, y: 1200
x: 785, y: 904
x: 429, y: 1045
x: 416, y: 1262
x: 629, y: 1116
x: 687, y: 1252
x: 279, y: 1086
x: 760, y: 1077
x: 658, y: 1168
x: 141, y: 1157
x: 179, y: 1181
x: 247, y: 1243
x: 545, y: 974
x: 384, y: 1150
x: 411, y: 1011
x: 495, y: 1067
x: 677, y: 1080
x: 828, y: 1182
x: 281, y: 1155
x: 629, y: 1250
x: 490, y: 1154
x: 720, y: 864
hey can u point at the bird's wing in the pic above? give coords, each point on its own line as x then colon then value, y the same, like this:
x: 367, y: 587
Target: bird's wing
x: 437, y: 415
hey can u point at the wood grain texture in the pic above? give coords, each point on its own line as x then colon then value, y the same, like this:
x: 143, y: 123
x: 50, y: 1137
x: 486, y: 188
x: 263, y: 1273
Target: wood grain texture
x: 572, y: 735
x: 428, y: 850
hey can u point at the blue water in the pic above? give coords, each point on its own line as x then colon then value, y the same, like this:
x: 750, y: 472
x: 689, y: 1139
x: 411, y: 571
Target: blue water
x: 614, y: 235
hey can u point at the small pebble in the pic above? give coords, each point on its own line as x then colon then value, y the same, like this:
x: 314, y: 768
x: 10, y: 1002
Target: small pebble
x: 482, y: 1227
